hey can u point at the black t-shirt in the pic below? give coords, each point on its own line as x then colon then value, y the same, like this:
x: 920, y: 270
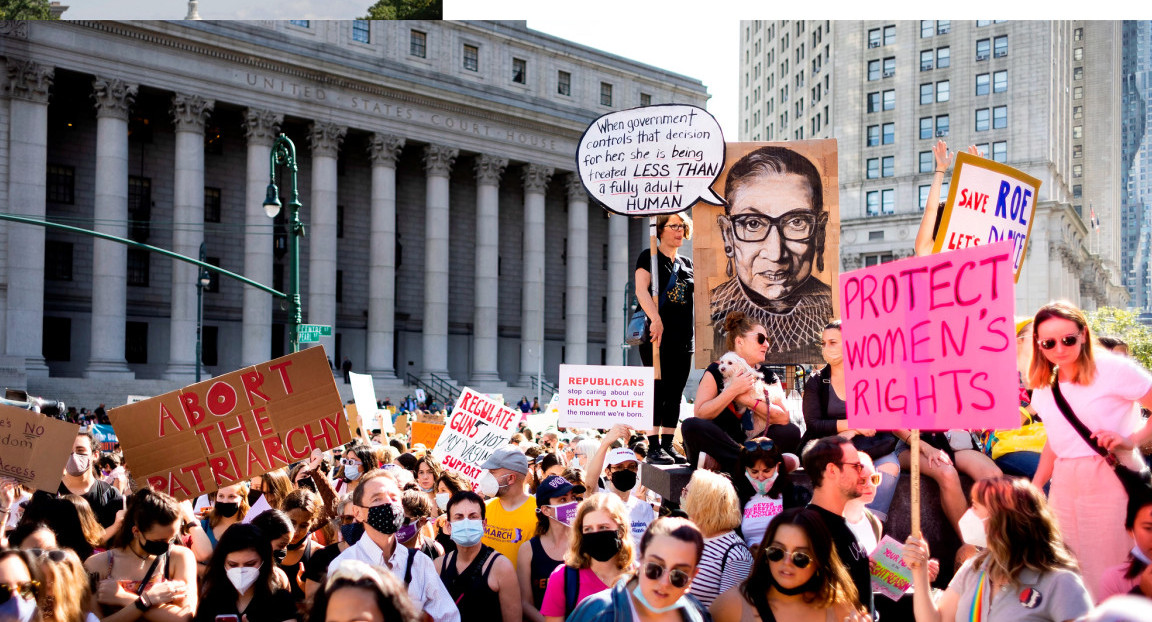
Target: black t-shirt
x: 676, y: 313
x: 104, y: 499
x: 276, y: 607
x: 728, y: 420
x: 851, y: 554
x: 316, y: 566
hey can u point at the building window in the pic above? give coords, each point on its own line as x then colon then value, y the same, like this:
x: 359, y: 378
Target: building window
x: 339, y: 286
x: 889, y: 133
x: 519, y: 71
x: 925, y: 127
x: 925, y: 60
x: 874, y: 38
x: 983, y: 22
x: 1078, y: 92
x: 927, y: 28
x: 605, y: 94
x: 873, y: 70
x: 58, y: 261
x: 944, y: 57
x: 1078, y: 34
x: 873, y: 171
x: 136, y: 342
x: 339, y: 221
x: 923, y: 191
x: 981, y: 119
x: 61, y: 184
x: 890, y: 99
x: 943, y: 91
x: 889, y: 67
x: 211, y: 205
x: 943, y: 26
x: 888, y: 166
x: 1077, y: 73
x: 983, y: 49
x: 303, y: 23
x: 1000, y: 151
x: 1077, y: 191
x: 645, y: 99
x: 138, y: 267
x: 1078, y: 54
x: 873, y: 135
x: 889, y: 35
x: 888, y: 202
x: 1000, y: 46
x: 1000, y: 81
x: 874, y: 102
x: 418, y: 44
x: 981, y: 84
x: 875, y: 259
x: 1077, y: 151
x: 926, y: 162
x: 926, y: 93
x: 942, y: 125
x: 209, y: 346
x: 564, y: 83
x: 139, y: 207
x: 1077, y: 112
x: 1077, y: 170
x: 57, y: 339
x: 999, y: 117
x: 983, y: 149
x: 471, y: 58
x: 1077, y: 132
x: 872, y: 205
x: 361, y: 31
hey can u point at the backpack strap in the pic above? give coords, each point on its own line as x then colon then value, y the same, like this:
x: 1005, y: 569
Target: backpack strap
x: 412, y: 553
x: 1075, y: 422
x: 672, y: 274
x: 571, y: 589
x: 724, y: 560
x: 822, y: 388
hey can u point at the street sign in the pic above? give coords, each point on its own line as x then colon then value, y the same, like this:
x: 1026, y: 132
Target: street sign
x: 311, y: 333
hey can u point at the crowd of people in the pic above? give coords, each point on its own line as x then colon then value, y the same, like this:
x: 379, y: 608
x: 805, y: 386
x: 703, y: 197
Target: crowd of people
x: 781, y: 514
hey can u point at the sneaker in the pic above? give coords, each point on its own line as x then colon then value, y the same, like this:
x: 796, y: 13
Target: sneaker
x: 657, y: 455
x: 677, y: 456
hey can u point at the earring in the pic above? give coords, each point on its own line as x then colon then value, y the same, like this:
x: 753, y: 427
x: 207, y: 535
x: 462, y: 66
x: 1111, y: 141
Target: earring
x: 729, y: 270
x: 727, y: 250
x: 820, y: 262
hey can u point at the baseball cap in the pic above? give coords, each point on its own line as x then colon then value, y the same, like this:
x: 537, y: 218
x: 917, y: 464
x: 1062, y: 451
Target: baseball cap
x: 507, y: 457
x: 554, y: 486
x: 621, y: 454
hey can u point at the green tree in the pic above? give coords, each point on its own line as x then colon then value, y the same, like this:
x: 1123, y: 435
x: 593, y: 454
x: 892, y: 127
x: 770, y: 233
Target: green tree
x: 406, y: 9
x: 1125, y: 325
x: 25, y: 9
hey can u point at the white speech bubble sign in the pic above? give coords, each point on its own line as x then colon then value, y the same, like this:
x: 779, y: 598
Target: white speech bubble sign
x: 652, y: 160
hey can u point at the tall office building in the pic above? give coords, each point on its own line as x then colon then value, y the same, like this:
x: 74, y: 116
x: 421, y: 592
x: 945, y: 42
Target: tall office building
x: 1038, y: 96
x: 1137, y: 163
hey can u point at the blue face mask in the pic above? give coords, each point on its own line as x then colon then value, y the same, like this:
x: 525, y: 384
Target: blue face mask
x: 18, y: 609
x: 644, y: 601
x: 351, y: 532
x: 467, y: 532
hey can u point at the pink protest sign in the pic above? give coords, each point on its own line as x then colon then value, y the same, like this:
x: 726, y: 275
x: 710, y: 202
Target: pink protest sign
x: 929, y: 341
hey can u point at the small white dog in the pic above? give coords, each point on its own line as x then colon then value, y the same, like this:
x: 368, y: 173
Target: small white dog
x: 732, y: 365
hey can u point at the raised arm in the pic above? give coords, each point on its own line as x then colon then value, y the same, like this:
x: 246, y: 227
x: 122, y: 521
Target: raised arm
x: 924, y: 237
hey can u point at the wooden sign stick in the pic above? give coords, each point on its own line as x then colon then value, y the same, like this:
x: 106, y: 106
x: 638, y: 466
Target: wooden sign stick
x: 655, y: 289
x: 914, y: 443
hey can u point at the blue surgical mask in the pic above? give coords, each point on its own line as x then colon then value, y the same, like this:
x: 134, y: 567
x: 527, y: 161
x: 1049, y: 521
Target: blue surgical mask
x: 467, y: 532
x: 18, y: 609
x: 351, y: 472
x: 644, y: 601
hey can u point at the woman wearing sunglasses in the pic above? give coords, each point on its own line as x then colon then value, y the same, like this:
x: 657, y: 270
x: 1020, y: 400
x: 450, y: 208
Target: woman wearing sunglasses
x: 725, y: 414
x: 21, y: 582
x: 797, y: 577
x: 1102, y: 391
x: 765, y: 489
x: 67, y: 592
x: 669, y: 554
x: 710, y: 501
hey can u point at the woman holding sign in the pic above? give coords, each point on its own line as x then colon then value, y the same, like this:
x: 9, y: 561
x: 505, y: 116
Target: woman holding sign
x: 670, y: 328
x: 1101, y: 391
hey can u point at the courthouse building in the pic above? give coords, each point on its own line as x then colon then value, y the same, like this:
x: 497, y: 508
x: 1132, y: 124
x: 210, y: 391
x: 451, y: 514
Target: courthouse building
x: 447, y: 232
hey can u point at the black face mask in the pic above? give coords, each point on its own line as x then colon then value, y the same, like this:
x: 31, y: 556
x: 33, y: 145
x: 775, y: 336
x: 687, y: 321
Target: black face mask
x: 226, y: 510
x: 386, y: 518
x: 279, y: 555
x: 624, y: 480
x: 351, y: 533
x: 811, y: 585
x: 299, y: 545
x: 601, y: 545
x: 154, y: 547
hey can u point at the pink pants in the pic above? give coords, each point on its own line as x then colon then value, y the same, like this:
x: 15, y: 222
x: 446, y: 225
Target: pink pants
x: 1090, y: 504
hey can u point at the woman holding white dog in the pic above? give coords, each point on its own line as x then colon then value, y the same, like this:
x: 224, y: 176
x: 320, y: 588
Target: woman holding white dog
x: 730, y: 409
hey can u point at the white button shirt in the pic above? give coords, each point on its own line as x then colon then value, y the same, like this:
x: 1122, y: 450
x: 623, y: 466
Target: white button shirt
x: 426, y: 590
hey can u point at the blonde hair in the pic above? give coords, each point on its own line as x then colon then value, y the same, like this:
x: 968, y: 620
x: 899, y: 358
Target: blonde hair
x: 1040, y: 372
x: 67, y: 592
x: 712, y: 503
x: 615, y: 508
x: 277, y: 485
x: 1022, y: 529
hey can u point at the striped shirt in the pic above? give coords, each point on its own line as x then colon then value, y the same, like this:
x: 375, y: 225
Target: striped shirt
x: 715, y: 574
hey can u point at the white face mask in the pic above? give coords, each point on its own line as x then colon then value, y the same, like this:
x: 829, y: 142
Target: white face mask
x: 442, y: 500
x: 242, y: 578
x: 973, y: 530
x: 489, y: 485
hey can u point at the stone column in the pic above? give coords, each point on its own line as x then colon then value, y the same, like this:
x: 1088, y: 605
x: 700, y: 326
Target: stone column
x: 536, y: 179
x: 325, y: 139
x: 261, y: 128
x: 576, y: 335
x: 384, y: 150
x: 438, y: 161
x: 618, y: 265
x: 28, y: 87
x: 109, y: 259
x: 189, y: 112
x: 485, y: 341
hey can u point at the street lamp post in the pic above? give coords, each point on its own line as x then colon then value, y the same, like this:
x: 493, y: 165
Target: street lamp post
x: 204, y: 281
x: 284, y: 153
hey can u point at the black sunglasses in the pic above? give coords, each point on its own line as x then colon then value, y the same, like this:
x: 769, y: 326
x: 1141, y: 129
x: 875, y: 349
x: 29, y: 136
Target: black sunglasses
x: 800, y: 560
x: 678, y: 578
x: 26, y: 589
x: 764, y: 445
x: 1067, y: 341
x: 761, y: 338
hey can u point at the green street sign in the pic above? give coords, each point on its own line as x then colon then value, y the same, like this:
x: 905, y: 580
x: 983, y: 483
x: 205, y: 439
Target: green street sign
x: 311, y: 333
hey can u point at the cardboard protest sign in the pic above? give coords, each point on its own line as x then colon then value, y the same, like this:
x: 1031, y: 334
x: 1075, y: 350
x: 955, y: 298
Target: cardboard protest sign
x: 890, y: 575
x: 355, y: 426
x: 929, y: 342
x: 988, y: 202
x: 425, y: 434
x: 420, y: 396
x: 600, y: 396
x: 34, y: 447
x: 651, y: 160
x: 364, y: 395
x: 772, y: 250
x: 401, y: 424
x: 431, y: 417
x: 384, y: 418
x: 545, y: 419
x: 476, y: 428
x: 233, y: 427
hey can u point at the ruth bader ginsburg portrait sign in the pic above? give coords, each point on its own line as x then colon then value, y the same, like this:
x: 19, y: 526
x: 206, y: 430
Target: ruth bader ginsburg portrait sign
x: 772, y: 251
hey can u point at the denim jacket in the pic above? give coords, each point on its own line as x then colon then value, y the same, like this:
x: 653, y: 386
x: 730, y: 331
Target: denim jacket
x: 613, y: 606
